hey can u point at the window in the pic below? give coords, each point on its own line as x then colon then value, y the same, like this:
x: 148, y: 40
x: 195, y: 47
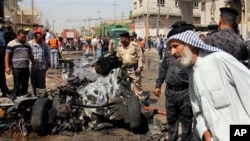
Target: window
x: 203, y: 6
x: 176, y: 3
x: 140, y: 3
x: 195, y: 5
x: 161, y: 3
x: 135, y: 5
x: 28, y: 20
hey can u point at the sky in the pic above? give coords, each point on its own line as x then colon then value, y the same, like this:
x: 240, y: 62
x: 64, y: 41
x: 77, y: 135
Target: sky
x: 75, y: 11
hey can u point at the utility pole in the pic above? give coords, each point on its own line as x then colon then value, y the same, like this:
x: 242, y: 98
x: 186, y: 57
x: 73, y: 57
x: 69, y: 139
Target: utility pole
x: 159, y: 4
x: 15, y: 19
x: 147, y: 26
x: 41, y: 17
x: 122, y: 17
x: 158, y: 20
x: 32, y: 7
x: 114, y: 4
x: 53, y: 24
x: 99, y: 13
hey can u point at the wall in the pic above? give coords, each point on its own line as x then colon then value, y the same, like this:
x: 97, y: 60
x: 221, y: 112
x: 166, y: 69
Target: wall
x: 168, y: 15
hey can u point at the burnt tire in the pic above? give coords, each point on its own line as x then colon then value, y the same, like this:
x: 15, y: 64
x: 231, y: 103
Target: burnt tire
x: 134, y: 113
x: 39, y: 116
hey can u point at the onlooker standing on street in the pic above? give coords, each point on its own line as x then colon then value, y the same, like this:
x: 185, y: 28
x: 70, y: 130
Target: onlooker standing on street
x: 94, y: 45
x: 141, y: 44
x: 149, y: 43
x: 47, y: 36
x: 105, y: 44
x: 177, y: 102
x: 42, y: 57
x: 30, y: 35
x: 53, y: 44
x: 220, y: 97
x: 160, y: 48
x: 9, y: 35
x: 86, y: 48
x: 18, y: 56
x: 111, y: 44
x: 99, y: 47
x: 3, y: 85
x: 226, y: 38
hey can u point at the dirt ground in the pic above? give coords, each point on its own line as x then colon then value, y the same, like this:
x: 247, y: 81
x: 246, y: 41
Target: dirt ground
x: 115, y: 134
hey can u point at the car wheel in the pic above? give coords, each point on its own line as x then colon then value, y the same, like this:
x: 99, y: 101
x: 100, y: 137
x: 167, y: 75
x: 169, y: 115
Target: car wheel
x: 134, y: 112
x: 39, y: 116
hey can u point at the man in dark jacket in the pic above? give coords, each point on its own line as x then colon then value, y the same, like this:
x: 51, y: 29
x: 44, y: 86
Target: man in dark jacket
x: 9, y: 35
x: 178, y: 104
x: 227, y: 37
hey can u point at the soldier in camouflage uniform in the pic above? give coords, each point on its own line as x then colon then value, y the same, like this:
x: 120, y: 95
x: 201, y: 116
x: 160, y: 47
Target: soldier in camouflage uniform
x: 178, y: 104
x: 131, y: 56
x: 227, y: 38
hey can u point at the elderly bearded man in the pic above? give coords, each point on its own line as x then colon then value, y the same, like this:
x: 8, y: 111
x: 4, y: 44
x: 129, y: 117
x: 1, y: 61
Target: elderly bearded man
x: 218, y: 84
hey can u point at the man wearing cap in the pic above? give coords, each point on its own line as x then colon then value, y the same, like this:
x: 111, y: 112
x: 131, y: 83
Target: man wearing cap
x: 178, y: 104
x: 30, y: 35
x: 220, y: 97
x: 131, y: 56
x: 227, y: 38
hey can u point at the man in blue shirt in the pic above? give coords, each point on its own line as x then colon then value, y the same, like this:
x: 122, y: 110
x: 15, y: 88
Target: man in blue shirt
x: 41, y: 57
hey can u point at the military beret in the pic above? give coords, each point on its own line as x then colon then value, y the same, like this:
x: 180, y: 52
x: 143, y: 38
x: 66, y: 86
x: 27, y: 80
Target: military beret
x: 179, y: 27
x: 124, y: 34
x: 229, y: 11
x: 213, y: 27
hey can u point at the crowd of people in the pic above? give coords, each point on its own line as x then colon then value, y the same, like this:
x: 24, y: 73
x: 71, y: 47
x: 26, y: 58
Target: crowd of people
x: 26, y: 55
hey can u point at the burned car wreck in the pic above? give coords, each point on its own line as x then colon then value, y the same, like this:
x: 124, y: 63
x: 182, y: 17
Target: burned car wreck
x: 103, y: 100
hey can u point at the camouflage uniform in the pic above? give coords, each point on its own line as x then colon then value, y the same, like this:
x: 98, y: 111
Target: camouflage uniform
x: 131, y: 57
x: 228, y: 41
x: 178, y: 104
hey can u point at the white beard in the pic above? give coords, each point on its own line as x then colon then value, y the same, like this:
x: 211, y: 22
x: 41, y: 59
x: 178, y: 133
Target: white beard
x: 186, y: 59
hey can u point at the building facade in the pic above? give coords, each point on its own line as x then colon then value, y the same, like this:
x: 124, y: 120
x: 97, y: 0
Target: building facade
x: 150, y: 19
x: 17, y: 17
x: 198, y: 12
x: 210, y: 13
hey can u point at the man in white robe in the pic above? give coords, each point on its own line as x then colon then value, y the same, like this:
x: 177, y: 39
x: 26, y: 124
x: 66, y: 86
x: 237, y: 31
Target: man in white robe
x: 219, y: 85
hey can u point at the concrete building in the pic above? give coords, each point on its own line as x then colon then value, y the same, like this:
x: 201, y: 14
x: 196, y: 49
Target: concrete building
x: 199, y: 12
x: 13, y: 15
x: 22, y: 18
x: 146, y: 13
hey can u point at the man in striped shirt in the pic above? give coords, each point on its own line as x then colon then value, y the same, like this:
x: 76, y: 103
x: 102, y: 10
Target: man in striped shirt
x: 17, y: 58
